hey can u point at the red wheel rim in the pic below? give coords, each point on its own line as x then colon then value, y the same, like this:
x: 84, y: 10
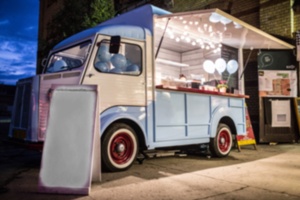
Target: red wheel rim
x: 224, y: 141
x: 121, y: 148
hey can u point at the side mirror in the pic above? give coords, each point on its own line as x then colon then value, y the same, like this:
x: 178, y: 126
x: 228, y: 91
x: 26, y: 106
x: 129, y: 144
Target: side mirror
x: 44, y: 62
x: 114, y: 45
x: 44, y: 65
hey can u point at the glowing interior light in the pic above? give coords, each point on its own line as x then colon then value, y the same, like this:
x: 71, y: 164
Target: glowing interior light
x: 177, y: 39
x: 182, y: 37
x: 185, y: 33
x: 193, y: 43
x: 188, y: 39
x: 181, y: 18
x: 202, y: 46
x: 186, y: 27
x: 191, y: 23
x: 207, y: 48
x: 172, y: 36
x: 196, y: 23
x: 184, y: 21
x: 200, y: 30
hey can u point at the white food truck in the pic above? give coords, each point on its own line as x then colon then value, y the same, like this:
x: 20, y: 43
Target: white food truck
x: 154, y: 71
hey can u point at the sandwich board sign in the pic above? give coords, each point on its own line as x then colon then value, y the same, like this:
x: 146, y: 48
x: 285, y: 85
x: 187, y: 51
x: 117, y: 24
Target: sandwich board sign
x: 71, y: 153
x: 249, y: 138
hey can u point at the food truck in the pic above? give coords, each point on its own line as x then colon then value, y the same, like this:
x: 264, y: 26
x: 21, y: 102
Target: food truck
x: 159, y: 76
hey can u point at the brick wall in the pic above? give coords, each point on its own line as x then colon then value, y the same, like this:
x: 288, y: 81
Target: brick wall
x: 246, y: 10
x: 275, y: 17
x: 189, y: 5
x: 297, y: 21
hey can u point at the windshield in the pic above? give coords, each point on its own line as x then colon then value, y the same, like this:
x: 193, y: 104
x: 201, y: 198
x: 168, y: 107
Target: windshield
x: 69, y: 58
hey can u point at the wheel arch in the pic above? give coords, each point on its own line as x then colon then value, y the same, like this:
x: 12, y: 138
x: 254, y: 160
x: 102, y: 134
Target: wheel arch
x: 230, y: 123
x: 137, y: 128
x: 221, y: 116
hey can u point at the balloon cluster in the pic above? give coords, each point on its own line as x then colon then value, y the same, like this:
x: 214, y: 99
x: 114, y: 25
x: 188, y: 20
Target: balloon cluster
x: 215, y: 18
x: 118, y: 61
x: 220, y: 65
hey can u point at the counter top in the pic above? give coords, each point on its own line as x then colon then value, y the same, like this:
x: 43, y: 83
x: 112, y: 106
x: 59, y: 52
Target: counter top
x: 194, y: 90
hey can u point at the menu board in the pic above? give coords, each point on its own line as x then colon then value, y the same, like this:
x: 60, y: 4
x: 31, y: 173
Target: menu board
x: 276, y: 60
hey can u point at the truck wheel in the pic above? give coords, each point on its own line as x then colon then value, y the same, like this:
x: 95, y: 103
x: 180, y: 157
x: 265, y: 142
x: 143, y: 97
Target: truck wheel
x: 220, y: 146
x: 119, y: 148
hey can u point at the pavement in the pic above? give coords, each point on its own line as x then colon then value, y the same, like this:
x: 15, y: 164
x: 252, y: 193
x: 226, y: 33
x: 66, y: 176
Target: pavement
x: 270, y: 172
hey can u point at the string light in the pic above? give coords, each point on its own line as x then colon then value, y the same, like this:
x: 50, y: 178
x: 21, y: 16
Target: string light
x: 209, y: 35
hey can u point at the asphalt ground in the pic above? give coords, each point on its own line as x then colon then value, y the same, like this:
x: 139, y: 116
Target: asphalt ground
x: 270, y: 172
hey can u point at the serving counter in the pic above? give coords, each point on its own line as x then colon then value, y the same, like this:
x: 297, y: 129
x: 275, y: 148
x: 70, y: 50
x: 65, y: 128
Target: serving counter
x: 201, y: 91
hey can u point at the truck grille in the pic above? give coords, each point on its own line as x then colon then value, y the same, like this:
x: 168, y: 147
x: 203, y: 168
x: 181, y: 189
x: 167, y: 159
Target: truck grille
x: 31, y: 104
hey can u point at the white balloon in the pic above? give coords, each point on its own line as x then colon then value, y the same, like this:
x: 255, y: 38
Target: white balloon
x: 208, y: 66
x: 237, y: 25
x: 215, y: 18
x: 220, y: 65
x: 232, y: 66
x: 225, y: 20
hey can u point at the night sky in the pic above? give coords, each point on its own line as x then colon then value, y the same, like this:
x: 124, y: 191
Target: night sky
x: 18, y: 39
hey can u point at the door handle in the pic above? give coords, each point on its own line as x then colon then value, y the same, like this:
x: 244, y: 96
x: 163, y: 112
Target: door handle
x: 90, y: 75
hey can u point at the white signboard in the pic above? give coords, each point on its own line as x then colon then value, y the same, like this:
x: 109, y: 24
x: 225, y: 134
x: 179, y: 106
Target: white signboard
x: 281, y: 113
x: 70, y: 146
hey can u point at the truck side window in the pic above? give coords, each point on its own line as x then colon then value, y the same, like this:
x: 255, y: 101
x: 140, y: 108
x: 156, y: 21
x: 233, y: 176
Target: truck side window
x: 128, y: 61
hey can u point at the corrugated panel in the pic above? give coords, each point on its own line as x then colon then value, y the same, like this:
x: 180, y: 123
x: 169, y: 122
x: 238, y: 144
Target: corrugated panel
x: 22, y: 104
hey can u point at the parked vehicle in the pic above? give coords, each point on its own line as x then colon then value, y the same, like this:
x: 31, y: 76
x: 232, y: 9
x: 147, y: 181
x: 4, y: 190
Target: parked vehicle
x: 136, y: 60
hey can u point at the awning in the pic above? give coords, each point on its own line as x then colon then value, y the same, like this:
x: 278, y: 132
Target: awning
x: 213, y: 27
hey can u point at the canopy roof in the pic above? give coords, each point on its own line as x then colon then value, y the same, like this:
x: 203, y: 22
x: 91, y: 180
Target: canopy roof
x: 216, y: 26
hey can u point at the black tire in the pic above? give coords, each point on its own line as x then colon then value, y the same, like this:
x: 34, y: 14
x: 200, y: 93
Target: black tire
x: 119, y: 147
x: 220, y: 146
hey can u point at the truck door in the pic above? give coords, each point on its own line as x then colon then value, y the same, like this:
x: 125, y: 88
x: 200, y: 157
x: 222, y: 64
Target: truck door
x: 120, y: 76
